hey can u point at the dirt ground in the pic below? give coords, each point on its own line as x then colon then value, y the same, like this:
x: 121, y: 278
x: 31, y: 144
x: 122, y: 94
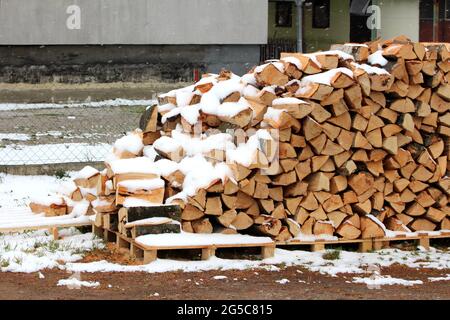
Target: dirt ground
x: 248, y: 284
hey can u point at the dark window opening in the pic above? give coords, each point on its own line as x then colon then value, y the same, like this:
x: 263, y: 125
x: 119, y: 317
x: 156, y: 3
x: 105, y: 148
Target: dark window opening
x: 359, y: 7
x: 359, y: 32
x: 447, y: 9
x: 321, y: 14
x: 283, y: 15
x: 426, y: 10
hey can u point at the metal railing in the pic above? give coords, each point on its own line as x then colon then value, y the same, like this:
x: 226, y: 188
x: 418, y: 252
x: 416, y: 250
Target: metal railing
x: 274, y: 47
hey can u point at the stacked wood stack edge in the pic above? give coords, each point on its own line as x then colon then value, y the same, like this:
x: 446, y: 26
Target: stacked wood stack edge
x: 360, y: 150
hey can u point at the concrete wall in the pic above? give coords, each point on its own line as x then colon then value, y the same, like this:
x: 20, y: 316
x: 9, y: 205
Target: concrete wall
x: 338, y: 32
x: 399, y: 17
x: 45, y: 22
x: 125, y: 63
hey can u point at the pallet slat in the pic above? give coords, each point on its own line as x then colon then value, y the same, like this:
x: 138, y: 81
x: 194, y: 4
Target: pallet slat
x: 149, y: 253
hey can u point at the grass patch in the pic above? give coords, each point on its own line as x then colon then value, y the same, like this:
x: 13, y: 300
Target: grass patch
x: 4, y: 263
x: 61, y: 174
x: 332, y: 255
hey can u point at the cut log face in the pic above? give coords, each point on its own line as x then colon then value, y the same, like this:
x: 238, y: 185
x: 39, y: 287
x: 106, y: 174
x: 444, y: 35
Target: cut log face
x: 422, y: 225
x: 149, y: 119
x: 202, y: 226
x: 227, y: 218
x: 270, y: 227
x: 361, y: 182
x: 348, y: 231
x: 49, y: 210
x: 214, y: 206
x: 242, y: 221
x: 323, y: 228
x: 371, y: 229
x: 271, y: 75
x: 191, y: 213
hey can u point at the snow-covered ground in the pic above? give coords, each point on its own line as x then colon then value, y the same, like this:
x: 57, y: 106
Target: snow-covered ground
x: 88, y: 104
x: 348, y: 262
x: 34, y: 251
x: 37, y: 250
x: 16, y: 191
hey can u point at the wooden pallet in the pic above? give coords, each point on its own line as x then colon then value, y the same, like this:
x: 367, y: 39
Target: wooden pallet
x: 149, y: 253
x: 421, y: 239
x: 364, y: 245
x: 53, y: 229
x: 24, y: 219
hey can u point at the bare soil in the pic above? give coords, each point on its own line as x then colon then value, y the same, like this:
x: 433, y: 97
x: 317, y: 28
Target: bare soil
x: 248, y: 284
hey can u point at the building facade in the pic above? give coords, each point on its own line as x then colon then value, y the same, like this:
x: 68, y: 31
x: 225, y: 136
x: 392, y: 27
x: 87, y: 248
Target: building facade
x: 325, y: 22
x: 128, y: 40
x: 172, y: 40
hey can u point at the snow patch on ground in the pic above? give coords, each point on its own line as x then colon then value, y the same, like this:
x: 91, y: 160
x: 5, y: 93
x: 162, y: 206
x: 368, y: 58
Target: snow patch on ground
x: 348, y: 262
x: 17, y: 191
x: 282, y: 281
x: 95, y: 104
x: 433, y: 279
x: 15, y: 136
x: 34, y: 251
x: 74, y: 283
x: 385, y: 280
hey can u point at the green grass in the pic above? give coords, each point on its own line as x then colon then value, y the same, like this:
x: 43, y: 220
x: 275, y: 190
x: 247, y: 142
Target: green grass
x: 60, y: 174
x: 4, y: 263
x: 332, y: 255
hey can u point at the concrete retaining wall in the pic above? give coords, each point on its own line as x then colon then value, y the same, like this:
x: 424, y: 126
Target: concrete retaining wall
x: 124, y: 63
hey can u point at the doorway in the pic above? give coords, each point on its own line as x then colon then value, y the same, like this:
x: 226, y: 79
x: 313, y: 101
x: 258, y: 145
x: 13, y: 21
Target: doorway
x: 359, y: 32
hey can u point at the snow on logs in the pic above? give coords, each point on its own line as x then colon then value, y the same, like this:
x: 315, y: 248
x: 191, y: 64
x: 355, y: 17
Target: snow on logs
x: 361, y: 147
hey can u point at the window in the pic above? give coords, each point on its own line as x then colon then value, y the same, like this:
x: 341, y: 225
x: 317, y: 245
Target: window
x: 359, y: 7
x: 426, y: 10
x: 283, y: 14
x: 321, y: 14
x: 447, y: 9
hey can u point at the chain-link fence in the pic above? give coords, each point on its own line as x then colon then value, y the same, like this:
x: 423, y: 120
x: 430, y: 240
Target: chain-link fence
x: 48, y: 133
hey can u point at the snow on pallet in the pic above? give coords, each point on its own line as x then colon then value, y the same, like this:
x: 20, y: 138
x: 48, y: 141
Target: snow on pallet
x: 422, y: 238
x: 23, y: 219
x: 207, y: 242
x: 146, y: 247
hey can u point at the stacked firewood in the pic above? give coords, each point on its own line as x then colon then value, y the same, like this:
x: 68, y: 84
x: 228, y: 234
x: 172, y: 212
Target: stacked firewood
x: 351, y: 142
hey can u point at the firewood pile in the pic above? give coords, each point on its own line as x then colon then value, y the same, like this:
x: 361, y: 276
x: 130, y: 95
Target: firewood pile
x: 348, y: 143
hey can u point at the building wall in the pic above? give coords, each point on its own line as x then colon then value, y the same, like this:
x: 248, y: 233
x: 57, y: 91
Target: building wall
x: 314, y: 39
x: 125, y: 63
x: 128, y: 40
x: 44, y: 22
x: 399, y: 17
x: 338, y: 32
x: 287, y: 33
